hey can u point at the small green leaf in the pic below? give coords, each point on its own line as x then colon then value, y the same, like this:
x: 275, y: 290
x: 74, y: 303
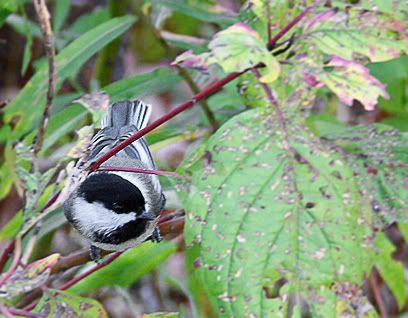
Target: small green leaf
x: 56, y: 303
x: 128, y: 268
x: 7, y: 7
x: 235, y: 49
x: 10, y: 230
x: 391, y: 270
x: 60, y: 14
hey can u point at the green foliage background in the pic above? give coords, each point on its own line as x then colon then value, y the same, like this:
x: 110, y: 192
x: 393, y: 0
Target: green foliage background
x: 289, y: 205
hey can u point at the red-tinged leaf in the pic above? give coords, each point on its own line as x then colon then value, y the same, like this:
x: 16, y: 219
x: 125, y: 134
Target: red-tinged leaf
x: 55, y: 303
x: 359, y: 35
x: 190, y: 60
x: 235, y: 49
x: 24, y: 280
x: 352, y: 81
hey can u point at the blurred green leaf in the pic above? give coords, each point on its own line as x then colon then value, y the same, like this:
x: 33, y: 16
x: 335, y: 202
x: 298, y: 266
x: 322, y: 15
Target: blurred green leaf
x: 68, y: 62
x: 196, y: 12
x: 63, y: 123
x: 141, y: 85
x: 11, y: 229
x: 391, y: 270
x: 88, y: 21
x: 17, y: 22
x: 60, y: 14
x: 266, y: 204
x: 8, y: 174
x: 7, y: 7
x: 128, y: 268
x: 56, y: 303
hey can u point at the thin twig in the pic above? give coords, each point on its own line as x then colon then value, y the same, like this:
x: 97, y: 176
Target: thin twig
x: 4, y: 258
x: 105, y: 262
x: 190, y: 82
x: 5, y: 311
x: 24, y: 313
x: 286, y: 28
x: 45, y: 23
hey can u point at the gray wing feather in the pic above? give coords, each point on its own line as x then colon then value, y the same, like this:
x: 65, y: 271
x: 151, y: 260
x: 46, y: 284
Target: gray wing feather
x: 123, y: 120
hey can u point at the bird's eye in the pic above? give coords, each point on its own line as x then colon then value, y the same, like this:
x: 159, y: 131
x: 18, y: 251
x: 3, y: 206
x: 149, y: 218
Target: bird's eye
x: 117, y: 206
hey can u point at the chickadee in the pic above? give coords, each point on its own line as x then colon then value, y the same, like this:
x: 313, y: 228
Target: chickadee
x: 116, y: 210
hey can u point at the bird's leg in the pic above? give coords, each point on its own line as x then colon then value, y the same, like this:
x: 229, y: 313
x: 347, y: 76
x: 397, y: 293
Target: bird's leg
x: 95, y: 253
x: 156, y: 236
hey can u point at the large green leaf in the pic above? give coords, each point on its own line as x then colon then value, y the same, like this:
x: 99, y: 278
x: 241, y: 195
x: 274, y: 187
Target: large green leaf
x: 269, y: 204
x: 27, y: 106
x: 128, y: 268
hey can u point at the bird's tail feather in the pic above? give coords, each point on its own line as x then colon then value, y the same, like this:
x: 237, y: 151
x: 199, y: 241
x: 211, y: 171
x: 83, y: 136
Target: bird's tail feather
x: 127, y: 113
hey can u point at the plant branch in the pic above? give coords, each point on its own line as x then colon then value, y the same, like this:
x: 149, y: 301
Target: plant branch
x: 14, y: 264
x: 286, y: 28
x: 44, y: 20
x: 211, y: 89
x: 4, y: 258
x: 188, y: 79
x: 105, y: 262
x: 17, y: 312
x: 208, y: 91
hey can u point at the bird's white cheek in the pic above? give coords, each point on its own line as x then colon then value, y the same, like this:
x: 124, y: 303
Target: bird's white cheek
x: 91, y: 217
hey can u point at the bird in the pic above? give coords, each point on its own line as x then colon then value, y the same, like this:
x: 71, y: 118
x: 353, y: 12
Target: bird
x: 117, y: 210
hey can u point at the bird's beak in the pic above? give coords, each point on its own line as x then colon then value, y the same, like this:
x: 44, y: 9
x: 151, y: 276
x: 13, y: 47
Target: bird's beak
x: 145, y: 216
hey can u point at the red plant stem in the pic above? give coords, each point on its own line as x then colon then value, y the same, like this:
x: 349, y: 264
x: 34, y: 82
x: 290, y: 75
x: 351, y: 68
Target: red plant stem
x: 6, y: 253
x: 211, y: 89
x: 16, y: 260
x: 286, y: 28
x: 24, y: 313
x: 138, y: 170
x: 107, y: 261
